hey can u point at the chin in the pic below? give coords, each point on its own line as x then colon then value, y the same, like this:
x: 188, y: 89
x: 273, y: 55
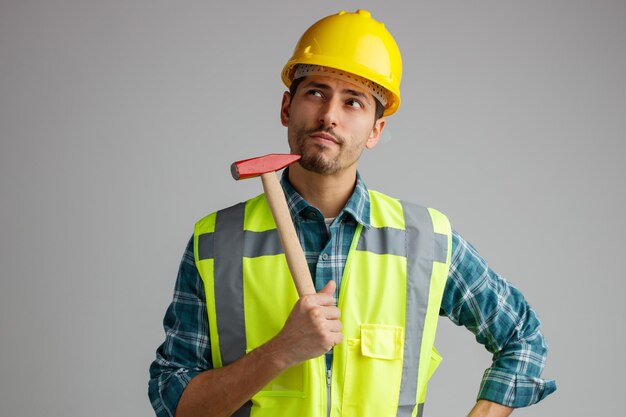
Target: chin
x: 318, y: 165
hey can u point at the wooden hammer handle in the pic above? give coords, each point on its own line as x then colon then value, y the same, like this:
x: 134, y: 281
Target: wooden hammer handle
x: 287, y: 232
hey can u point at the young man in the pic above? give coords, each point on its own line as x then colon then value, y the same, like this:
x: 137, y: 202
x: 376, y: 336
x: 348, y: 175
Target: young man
x: 238, y: 339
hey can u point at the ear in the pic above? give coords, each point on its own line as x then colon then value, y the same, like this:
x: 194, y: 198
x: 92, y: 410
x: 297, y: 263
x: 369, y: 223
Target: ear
x: 284, y: 108
x: 377, y: 131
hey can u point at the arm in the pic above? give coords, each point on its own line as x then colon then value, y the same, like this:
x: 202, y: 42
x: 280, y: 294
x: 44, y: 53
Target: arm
x: 484, y: 408
x: 182, y: 379
x: 501, y: 320
x: 310, y: 331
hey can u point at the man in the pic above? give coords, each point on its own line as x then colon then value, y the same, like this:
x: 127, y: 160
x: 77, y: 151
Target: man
x: 238, y: 339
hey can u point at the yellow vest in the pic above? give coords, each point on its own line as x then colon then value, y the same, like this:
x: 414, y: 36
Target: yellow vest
x: 389, y: 299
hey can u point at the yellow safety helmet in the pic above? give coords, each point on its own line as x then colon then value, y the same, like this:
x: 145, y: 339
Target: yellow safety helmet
x: 354, y: 43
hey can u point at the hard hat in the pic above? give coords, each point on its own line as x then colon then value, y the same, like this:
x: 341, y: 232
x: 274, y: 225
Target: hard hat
x: 354, y: 43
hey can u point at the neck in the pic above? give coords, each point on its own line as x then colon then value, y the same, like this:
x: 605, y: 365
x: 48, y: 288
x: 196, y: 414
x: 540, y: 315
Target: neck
x: 328, y: 193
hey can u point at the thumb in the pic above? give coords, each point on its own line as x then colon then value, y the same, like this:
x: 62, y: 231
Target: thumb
x: 329, y: 288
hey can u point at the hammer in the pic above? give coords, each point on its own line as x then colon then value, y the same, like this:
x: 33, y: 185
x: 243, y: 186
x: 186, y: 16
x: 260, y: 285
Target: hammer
x: 266, y: 167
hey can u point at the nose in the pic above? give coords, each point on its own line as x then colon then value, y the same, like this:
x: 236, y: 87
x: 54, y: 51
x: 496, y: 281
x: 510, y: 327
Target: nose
x: 329, y: 113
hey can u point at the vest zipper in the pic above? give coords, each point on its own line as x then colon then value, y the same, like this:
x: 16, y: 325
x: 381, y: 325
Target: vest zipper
x: 329, y: 375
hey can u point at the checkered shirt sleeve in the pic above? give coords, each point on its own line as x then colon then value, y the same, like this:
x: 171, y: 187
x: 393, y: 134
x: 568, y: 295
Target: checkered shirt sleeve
x: 186, y: 350
x: 500, y: 318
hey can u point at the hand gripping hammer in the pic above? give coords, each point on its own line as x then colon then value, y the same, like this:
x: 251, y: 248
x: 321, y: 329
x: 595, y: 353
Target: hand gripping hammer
x: 266, y: 167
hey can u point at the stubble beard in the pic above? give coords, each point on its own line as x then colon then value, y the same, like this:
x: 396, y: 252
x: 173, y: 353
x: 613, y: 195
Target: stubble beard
x: 313, y: 157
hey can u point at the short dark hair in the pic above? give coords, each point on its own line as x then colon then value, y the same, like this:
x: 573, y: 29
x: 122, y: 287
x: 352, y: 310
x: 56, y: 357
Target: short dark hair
x: 380, y: 109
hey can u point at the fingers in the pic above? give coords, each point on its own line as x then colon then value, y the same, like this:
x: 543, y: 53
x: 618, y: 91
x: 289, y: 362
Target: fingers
x: 323, y: 298
x: 326, y: 319
x: 326, y: 296
x: 327, y: 302
x: 329, y: 288
x: 313, y: 326
x: 333, y: 326
x: 331, y: 312
x: 336, y: 337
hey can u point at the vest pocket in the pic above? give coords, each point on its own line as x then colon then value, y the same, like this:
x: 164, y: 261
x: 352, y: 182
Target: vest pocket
x: 433, y: 364
x: 373, y: 371
x: 290, y: 383
x: 435, y: 360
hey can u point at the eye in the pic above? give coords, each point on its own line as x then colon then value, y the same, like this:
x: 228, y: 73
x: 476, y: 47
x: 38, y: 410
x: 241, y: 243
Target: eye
x: 354, y: 103
x: 315, y: 93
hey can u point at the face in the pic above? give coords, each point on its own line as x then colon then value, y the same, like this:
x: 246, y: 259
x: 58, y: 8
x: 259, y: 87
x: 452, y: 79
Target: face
x: 330, y: 122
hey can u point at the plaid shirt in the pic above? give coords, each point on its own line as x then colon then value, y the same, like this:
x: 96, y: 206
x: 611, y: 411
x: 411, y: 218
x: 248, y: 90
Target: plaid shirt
x: 474, y: 297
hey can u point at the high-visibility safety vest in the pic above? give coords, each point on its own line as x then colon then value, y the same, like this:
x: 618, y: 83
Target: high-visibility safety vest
x: 389, y: 299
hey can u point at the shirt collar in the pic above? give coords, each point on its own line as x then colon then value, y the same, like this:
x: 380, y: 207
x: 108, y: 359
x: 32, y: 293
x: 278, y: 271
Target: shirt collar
x: 358, y: 205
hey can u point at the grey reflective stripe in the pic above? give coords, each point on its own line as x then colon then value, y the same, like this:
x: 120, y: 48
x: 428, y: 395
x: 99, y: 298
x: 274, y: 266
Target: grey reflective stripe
x: 420, y: 244
x: 383, y: 240
x: 441, y: 248
x: 407, y: 410
x: 228, y: 279
x: 261, y: 243
x: 205, y: 246
x: 234, y: 245
x: 255, y: 244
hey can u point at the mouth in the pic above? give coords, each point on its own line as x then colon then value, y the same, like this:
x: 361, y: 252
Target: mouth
x: 324, y: 137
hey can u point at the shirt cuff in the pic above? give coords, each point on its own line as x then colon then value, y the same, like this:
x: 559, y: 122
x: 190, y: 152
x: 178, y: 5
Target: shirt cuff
x: 514, y: 390
x: 165, y: 392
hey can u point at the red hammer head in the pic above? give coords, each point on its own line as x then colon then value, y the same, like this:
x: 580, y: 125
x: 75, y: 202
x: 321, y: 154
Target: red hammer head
x: 254, y: 167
